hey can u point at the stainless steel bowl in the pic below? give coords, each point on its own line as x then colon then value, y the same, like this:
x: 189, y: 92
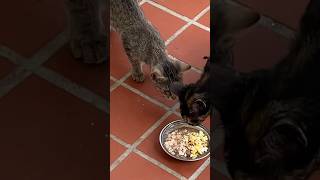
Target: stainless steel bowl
x: 178, y: 124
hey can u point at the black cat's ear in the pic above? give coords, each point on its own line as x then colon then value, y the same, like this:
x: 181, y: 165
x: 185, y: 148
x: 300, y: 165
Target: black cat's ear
x: 308, y: 38
x: 229, y: 19
x: 310, y: 21
x: 176, y: 88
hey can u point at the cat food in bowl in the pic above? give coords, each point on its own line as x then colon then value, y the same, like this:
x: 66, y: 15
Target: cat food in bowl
x: 185, y: 142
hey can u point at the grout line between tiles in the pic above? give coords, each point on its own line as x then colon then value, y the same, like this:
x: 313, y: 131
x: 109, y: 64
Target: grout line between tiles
x: 25, y: 65
x: 120, y: 141
x: 117, y: 83
x: 73, y: 88
x: 273, y: 25
x: 277, y: 28
x: 159, y: 164
x: 173, y: 13
x: 167, y: 10
x: 148, y: 158
x: 142, y: 2
x: 140, y: 139
x: 12, y: 80
x: 136, y: 91
x: 183, y: 28
x: 200, y: 169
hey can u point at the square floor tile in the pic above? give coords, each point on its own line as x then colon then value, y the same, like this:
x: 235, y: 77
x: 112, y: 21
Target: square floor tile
x: 205, y: 19
x: 148, y: 88
x: 5, y: 67
x: 189, y: 8
x: 119, y: 63
x: 47, y: 133
x: 205, y: 175
x: 259, y: 48
x: 164, y: 22
x: 152, y: 148
x: 31, y: 25
x: 131, y: 115
x: 135, y: 167
x: 116, y: 150
x: 191, y: 46
x: 279, y: 10
x: 93, y: 77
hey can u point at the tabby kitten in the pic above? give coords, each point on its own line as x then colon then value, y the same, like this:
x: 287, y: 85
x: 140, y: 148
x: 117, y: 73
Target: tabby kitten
x: 270, y: 116
x: 87, y: 29
x: 143, y: 45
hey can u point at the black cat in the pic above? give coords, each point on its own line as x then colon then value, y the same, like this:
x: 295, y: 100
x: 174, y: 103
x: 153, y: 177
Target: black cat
x: 271, y: 117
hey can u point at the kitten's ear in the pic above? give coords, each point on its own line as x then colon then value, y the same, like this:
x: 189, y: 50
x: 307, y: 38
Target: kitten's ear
x: 176, y: 88
x: 157, y: 76
x: 181, y: 65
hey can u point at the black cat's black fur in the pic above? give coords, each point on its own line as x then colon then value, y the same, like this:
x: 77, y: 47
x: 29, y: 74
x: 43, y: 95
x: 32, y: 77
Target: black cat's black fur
x: 271, y: 117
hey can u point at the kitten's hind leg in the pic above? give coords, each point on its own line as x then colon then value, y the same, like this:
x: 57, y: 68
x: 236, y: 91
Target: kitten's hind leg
x: 136, y: 71
x: 88, y: 36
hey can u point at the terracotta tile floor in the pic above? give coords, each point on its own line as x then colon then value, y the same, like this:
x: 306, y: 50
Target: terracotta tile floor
x: 138, y: 111
x: 54, y: 117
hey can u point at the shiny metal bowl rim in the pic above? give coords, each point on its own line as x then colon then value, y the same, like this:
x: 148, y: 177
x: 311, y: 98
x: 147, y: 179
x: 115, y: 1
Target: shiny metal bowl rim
x: 199, y: 127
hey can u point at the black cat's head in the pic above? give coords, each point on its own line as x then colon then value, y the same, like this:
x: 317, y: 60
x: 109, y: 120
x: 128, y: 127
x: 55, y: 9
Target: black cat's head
x: 194, y: 106
x: 165, y: 73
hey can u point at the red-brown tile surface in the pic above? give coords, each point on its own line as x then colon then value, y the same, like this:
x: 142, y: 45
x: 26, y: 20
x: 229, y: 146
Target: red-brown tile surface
x: 189, y: 8
x: 93, y: 77
x: 205, y: 19
x: 31, y: 24
x: 259, y: 48
x: 135, y: 167
x: 131, y: 115
x: 205, y: 175
x: 165, y: 23
x: 57, y: 136
x: 116, y: 150
x: 191, y: 46
x: 284, y: 11
x: 148, y: 88
x: 152, y: 148
x: 119, y: 64
x: 5, y: 67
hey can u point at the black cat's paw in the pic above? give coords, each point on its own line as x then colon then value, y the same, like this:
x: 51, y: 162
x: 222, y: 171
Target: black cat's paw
x: 90, y: 51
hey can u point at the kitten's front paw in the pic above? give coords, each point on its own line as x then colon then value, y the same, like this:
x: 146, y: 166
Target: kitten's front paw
x: 138, y: 77
x: 90, y: 51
